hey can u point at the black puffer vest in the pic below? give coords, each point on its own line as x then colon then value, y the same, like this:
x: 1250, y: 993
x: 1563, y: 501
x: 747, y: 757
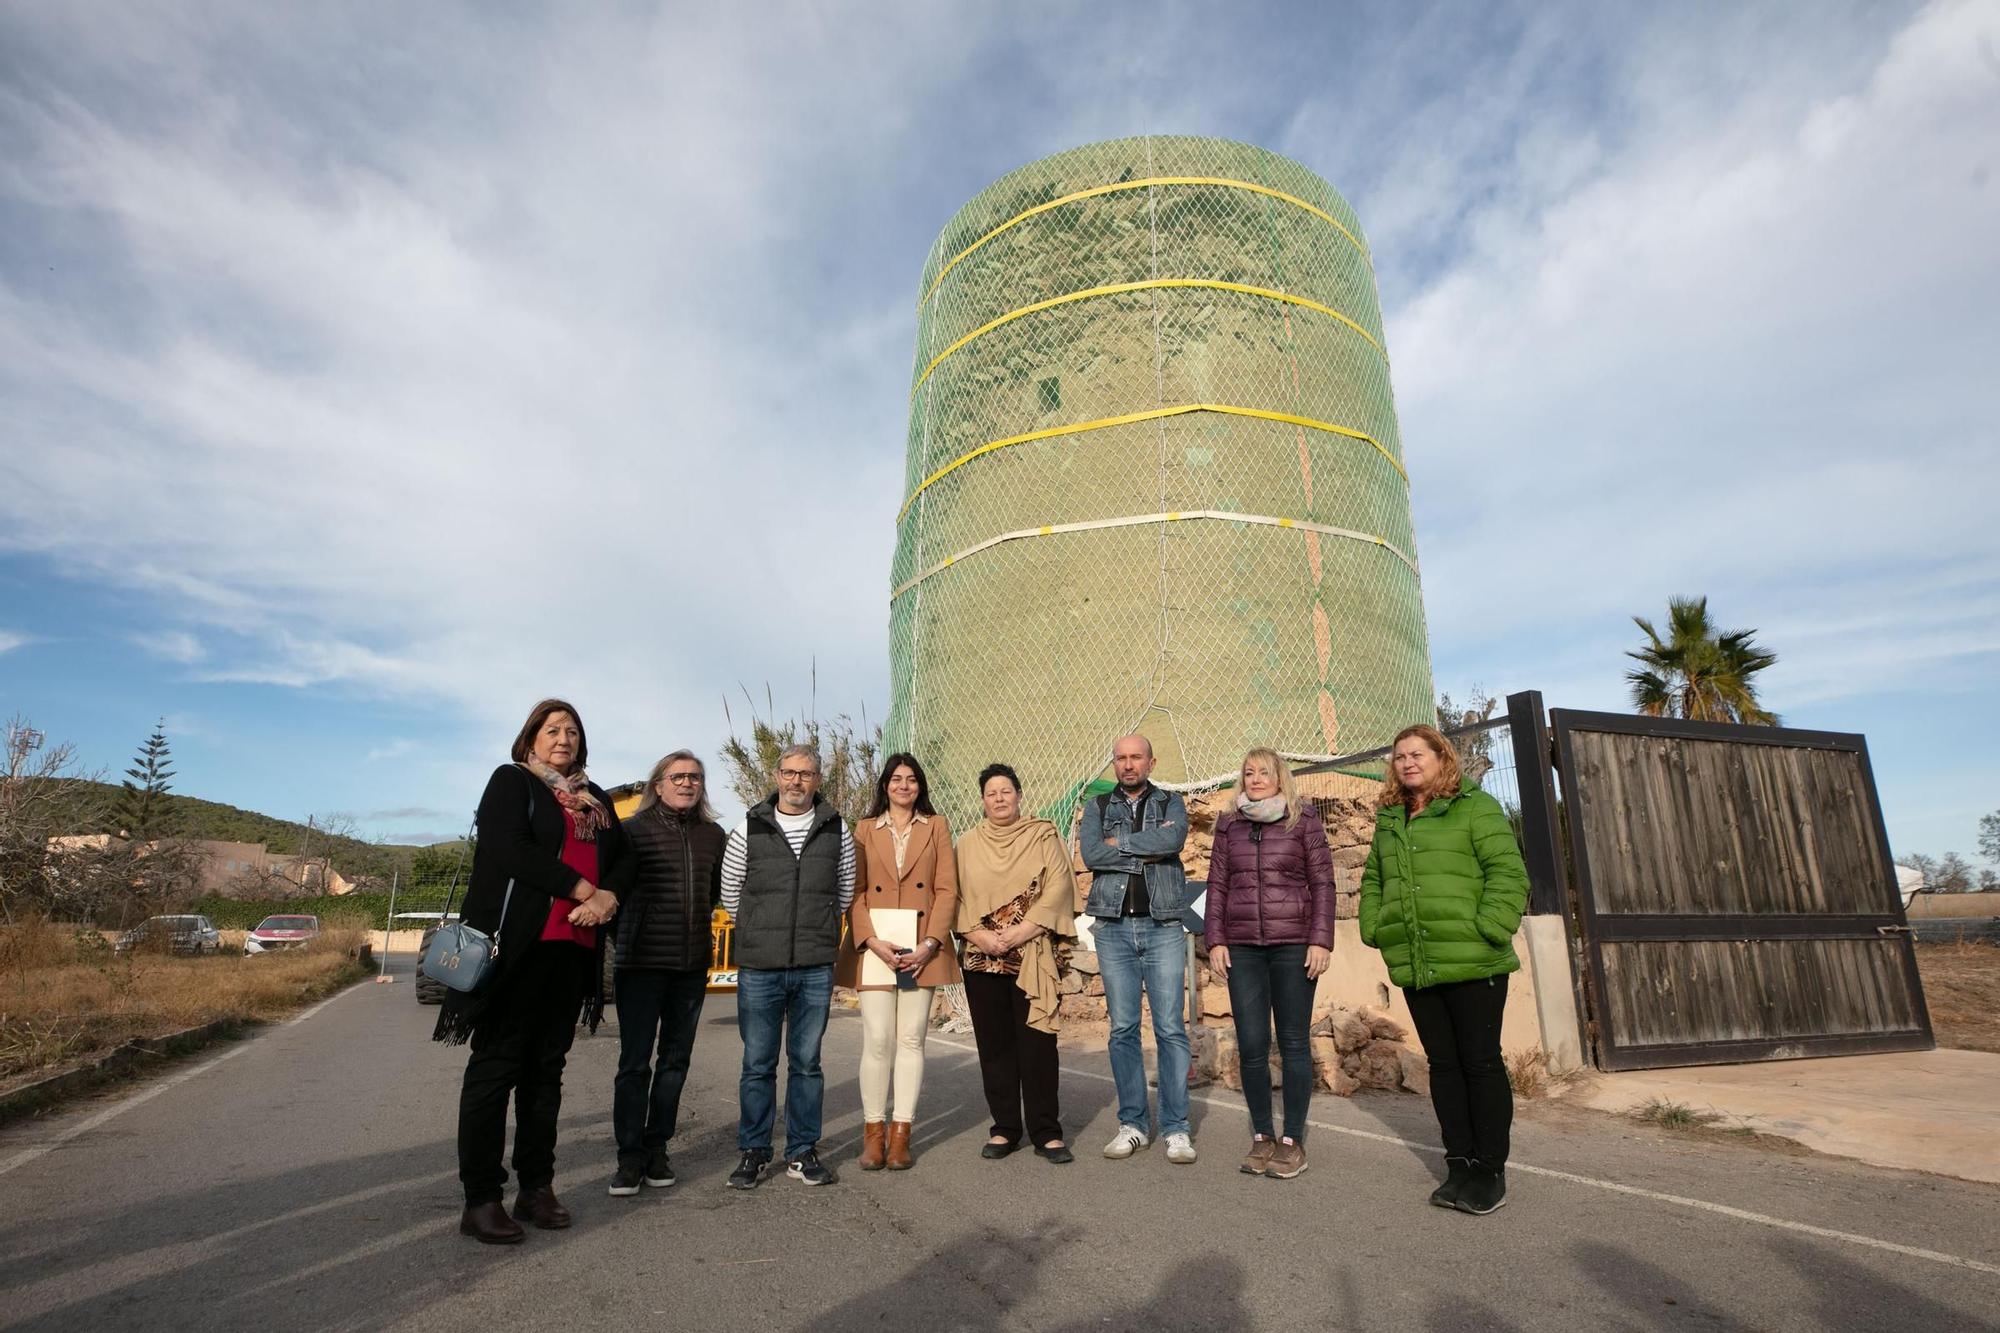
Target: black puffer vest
x: 789, y: 913
x: 665, y: 923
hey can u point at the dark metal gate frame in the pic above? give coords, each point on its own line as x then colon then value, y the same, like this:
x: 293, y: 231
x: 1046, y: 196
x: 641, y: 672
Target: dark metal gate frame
x: 1599, y: 928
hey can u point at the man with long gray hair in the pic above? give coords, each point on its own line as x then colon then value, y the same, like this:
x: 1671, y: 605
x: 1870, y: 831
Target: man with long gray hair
x: 664, y: 947
x: 787, y: 878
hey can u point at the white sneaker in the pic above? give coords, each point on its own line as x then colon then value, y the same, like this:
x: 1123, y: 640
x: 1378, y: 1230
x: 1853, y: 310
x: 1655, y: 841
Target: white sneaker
x: 1180, y: 1149
x: 1125, y: 1142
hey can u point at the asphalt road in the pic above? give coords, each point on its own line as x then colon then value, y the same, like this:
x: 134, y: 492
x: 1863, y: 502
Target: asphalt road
x: 304, y: 1178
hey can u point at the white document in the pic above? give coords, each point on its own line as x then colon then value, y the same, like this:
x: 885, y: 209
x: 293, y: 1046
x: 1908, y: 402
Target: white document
x: 896, y: 927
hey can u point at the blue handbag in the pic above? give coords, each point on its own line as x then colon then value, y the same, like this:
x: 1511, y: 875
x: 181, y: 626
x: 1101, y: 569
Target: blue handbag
x: 461, y: 958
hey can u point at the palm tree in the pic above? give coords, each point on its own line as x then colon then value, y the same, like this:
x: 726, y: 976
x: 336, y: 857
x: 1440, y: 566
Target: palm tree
x: 1696, y: 671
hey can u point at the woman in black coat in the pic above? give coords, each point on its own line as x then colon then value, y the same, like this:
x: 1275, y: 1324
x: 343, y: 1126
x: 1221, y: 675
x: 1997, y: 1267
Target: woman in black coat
x: 547, y: 872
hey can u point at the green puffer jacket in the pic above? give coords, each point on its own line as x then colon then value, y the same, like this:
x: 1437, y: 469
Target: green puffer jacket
x: 1442, y: 894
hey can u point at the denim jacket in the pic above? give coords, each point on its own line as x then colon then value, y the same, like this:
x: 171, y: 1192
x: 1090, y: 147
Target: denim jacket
x: 1154, y: 849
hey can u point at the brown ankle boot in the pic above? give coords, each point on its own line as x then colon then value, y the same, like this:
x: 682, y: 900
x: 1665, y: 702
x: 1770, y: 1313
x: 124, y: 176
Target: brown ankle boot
x: 899, y: 1145
x: 871, y: 1145
x: 489, y: 1224
x: 541, y: 1207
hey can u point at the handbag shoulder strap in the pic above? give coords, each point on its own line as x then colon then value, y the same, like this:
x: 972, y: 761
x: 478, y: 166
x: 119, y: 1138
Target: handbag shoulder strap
x: 505, y: 898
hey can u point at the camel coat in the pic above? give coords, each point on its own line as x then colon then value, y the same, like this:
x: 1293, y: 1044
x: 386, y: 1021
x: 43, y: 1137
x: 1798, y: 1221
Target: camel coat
x: 927, y: 886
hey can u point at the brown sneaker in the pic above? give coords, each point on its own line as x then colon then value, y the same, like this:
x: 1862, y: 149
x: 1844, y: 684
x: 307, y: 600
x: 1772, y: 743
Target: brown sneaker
x: 1288, y: 1159
x: 1261, y: 1149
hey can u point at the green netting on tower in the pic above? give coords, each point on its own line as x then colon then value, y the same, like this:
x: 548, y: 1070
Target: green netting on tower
x: 1154, y: 479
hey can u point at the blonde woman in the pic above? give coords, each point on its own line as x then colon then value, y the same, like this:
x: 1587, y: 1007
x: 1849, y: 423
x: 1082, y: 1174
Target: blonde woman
x: 1269, y: 918
x: 1450, y: 948
x: 903, y: 863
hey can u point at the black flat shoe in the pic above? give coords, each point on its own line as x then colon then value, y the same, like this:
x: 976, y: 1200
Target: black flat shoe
x: 993, y: 1152
x: 1059, y: 1154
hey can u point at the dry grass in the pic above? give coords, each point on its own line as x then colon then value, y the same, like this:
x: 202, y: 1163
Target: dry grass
x: 1531, y: 1076
x: 1962, y: 988
x: 65, y: 998
x: 1673, y: 1115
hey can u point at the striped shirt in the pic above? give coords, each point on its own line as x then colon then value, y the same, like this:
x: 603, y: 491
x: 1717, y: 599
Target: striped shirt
x: 736, y: 855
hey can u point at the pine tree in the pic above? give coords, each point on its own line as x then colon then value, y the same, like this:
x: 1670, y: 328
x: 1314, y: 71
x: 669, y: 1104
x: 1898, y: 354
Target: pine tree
x: 141, y: 806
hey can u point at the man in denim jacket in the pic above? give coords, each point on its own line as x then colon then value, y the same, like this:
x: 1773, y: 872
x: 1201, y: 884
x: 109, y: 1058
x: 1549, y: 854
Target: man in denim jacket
x: 1131, y: 840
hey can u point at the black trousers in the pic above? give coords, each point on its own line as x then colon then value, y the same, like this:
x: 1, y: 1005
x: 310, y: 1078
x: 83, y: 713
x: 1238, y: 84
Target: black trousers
x: 518, y: 1052
x: 1017, y: 1063
x: 1459, y: 1025
x: 657, y: 1008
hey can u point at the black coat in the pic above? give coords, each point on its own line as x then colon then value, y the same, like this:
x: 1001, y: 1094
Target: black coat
x: 676, y: 887
x: 527, y: 849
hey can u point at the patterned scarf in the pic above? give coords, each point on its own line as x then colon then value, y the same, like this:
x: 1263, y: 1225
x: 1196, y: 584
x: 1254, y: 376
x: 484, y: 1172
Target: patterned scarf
x: 573, y: 794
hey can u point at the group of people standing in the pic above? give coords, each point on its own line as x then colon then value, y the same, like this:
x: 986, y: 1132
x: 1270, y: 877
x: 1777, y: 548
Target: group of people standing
x: 894, y: 908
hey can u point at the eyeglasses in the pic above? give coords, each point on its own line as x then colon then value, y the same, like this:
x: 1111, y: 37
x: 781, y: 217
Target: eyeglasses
x: 684, y: 779
x: 797, y: 774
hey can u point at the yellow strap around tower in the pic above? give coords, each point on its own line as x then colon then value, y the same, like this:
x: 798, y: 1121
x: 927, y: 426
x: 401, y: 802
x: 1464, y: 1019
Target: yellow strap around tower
x: 1150, y: 414
x: 1120, y: 288
x: 1220, y: 182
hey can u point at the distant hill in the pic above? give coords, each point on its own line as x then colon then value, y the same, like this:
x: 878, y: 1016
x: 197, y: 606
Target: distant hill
x: 90, y: 807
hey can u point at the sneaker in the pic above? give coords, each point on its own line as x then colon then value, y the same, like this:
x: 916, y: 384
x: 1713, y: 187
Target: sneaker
x: 808, y: 1168
x: 1180, y: 1149
x: 1125, y: 1142
x: 1259, y: 1158
x: 749, y: 1172
x: 624, y: 1181
x: 659, y: 1170
x: 1288, y: 1159
x: 1484, y: 1191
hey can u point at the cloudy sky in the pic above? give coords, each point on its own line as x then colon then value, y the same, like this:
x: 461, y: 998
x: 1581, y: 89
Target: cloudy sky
x: 368, y: 371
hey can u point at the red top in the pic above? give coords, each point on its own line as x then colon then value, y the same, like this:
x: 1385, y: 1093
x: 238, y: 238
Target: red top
x: 581, y: 857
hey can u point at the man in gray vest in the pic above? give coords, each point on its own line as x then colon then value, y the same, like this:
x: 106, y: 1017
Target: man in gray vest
x: 787, y: 877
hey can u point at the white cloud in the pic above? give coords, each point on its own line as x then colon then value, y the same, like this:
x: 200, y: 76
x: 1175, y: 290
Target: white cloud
x: 396, y: 749
x: 1750, y: 358
x: 538, y: 399
x: 9, y: 640
x: 173, y: 645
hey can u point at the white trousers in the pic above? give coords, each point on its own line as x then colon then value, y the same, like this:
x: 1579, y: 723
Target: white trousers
x: 893, y: 1026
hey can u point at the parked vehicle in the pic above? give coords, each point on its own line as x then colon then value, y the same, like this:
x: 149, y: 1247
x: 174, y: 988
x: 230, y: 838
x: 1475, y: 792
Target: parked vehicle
x: 276, y: 933
x: 182, y: 934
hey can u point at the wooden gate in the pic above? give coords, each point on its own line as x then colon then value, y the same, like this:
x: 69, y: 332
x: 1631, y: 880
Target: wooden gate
x: 1734, y: 893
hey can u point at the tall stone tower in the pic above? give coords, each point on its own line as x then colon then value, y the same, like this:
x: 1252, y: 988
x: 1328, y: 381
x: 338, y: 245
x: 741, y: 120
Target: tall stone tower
x: 1154, y: 480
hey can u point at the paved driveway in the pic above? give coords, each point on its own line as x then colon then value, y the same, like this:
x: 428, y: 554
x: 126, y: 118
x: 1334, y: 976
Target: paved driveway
x: 305, y: 1179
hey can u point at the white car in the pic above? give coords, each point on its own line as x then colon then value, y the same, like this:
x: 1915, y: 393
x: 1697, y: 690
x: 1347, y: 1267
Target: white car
x: 276, y: 933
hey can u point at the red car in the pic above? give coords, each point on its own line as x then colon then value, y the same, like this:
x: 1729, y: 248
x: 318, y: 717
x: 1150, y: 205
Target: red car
x: 274, y: 933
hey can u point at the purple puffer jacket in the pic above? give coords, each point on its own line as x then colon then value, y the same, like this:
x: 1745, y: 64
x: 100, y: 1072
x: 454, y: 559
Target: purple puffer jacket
x: 1268, y: 884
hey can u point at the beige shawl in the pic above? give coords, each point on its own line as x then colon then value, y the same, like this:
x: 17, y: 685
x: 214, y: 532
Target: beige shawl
x: 995, y: 865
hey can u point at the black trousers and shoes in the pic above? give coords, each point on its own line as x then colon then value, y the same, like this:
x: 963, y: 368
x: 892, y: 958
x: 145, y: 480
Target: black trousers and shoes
x: 659, y: 1010
x: 1017, y: 1063
x: 518, y: 1053
x: 1459, y: 1026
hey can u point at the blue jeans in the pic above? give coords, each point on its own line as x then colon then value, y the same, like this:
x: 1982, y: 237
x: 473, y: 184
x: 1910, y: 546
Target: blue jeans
x: 1135, y: 952
x: 1268, y: 982
x: 792, y: 1002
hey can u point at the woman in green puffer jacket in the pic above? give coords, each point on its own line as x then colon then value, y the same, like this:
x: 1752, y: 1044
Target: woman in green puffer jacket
x: 1441, y: 897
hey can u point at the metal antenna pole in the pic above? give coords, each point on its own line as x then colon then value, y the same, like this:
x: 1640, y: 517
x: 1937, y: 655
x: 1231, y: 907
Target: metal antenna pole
x: 388, y: 924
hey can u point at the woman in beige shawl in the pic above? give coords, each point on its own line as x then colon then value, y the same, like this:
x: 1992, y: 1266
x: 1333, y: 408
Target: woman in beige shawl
x: 1017, y: 922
